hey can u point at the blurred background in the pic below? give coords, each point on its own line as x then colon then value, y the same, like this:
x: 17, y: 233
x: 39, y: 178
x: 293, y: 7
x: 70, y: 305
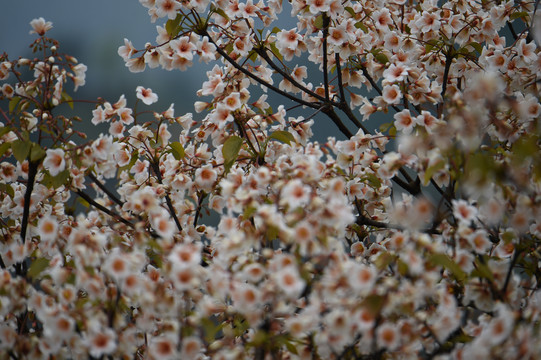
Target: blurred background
x: 92, y: 31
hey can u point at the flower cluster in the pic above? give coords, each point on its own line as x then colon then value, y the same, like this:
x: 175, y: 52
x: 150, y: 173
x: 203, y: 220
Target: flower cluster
x: 235, y: 235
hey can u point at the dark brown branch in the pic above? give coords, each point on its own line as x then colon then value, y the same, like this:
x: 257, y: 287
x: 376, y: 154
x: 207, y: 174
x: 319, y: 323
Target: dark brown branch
x: 375, y: 85
x: 448, y: 62
x: 326, y: 22
x: 156, y: 168
x: 516, y: 255
x: 340, y: 82
x: 512, y: 30
x: 365, y: 221
x: 329, y: 111
x: 32, y: 171
x: 343, y: 103
x: 102, y: 208
x: 257, y: 79
x: 104, y: 189
x: 201, y: 197
x: 412, y: 187
x: 443, y: 194
x: 262, y: 52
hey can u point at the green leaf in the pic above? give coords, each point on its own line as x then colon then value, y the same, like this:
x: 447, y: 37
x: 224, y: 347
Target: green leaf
x: 384, y: 259
x: 153, y: 144
x: 4, y: 147
x: 253, y: 56
x: 463, y: 338
x: 240, y: 326
x: 275, y: 30
x: 177, y: 150
x: 276, y: 52
x: 360, y: 25
x: 524, y: 148
x: 7, y: 189
x: 290, y: 347
x: 392, y: 131
x: 402, y: 267
x: 132, y: 162
x: 385, y: 127
x: 350, y: 10
x: 4, y: 130
x: 154, y: 256
x: 380, y: 56
x: 508, y: 236
x: 318, y: 23
x: 432, y: 170
x: 482, y: 168
x: 13, y: 103
x: 272, y: 233
x: 230, y: 151
x: 482, y: 270
x: 210, y: 328
x: 519, y: 14
x: 60, y: 179
x: 67, y: 99
x: 446, y: 262
x: 283, y: 136
x: 21, y: 149
x: 373, y: 180
x: 248, y: 212
x: 221, y: 12
x: 476, y: 46
x: 38, y: 265
x: 373, y: 303
x: 228, y: 48
x: 37, y: 153
x: 259, y: 338
x: 431, y: 44
x: 172, y: 26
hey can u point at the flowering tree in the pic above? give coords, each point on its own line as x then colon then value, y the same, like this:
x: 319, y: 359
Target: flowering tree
x: 417, y: 239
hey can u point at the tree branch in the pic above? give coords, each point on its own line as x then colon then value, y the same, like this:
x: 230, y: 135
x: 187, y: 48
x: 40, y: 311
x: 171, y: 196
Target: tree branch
x: 156, y: 168
x: 111, y: 196
x: 343, y: 103
x: 263, y: 53
x: 329, y: 111
x: 102, y: 208
x: 326, y: 21
x: 257, y: 79
x: 448, y: 62
x: 32, y: 171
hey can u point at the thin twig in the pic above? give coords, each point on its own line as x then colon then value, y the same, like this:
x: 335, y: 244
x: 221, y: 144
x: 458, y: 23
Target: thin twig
x: 201, y: 196
x: 329, y: 111
x: 343, y: 103
x: 156, y: 168
x: 326, y: 22
x: 259, y: 80
x: 104, y: 189
x: 262, y: 52
x: 448, y: 62
x: 102, y: 208
x: 32, y: 171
